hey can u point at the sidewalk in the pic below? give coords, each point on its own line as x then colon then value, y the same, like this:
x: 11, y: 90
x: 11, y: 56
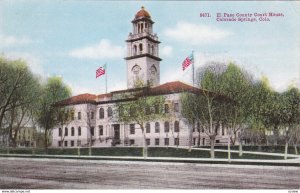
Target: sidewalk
x: 288, y: 162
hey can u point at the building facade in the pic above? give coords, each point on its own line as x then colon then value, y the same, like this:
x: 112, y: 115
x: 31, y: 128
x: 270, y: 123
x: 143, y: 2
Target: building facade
x: 93, y: 115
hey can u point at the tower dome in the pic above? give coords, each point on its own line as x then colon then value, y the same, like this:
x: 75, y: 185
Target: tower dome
x: 142, y: 13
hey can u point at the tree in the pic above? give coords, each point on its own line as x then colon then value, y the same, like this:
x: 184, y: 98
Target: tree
x: 291, y: 114
x: 48, y: 116
x: 141, y: 108
x: 190, y: 109
x: 19, y: 90
x: 236, y: 84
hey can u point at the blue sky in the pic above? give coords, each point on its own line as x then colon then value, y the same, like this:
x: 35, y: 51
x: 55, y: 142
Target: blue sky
x: 73, y: 38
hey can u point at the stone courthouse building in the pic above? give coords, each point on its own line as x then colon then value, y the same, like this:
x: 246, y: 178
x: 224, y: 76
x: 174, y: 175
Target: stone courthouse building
x: 93, y: 115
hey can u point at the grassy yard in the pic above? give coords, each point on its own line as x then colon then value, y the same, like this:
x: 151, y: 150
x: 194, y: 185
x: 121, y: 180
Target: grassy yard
x: 137, y: 152
x: 264, y: 148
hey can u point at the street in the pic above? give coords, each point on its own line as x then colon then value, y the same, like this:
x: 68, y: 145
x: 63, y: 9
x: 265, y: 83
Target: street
x: 26, y: 173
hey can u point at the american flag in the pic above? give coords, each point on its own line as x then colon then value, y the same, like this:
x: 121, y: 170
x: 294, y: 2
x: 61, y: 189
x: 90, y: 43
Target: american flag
x: 189, y: 60
x: 100, y: 71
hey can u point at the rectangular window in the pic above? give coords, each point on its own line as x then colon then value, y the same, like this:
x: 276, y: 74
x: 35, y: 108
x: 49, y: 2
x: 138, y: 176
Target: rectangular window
x: 66, y: 131
x: 59, y: 143
x: 66, y: 143
x: 176, y: 107
x: 79, y: 131
x: 148, y: 141
x: 72, y: 131
x: 100, y: 129
x: 59, y: 132
x: 176, y: 141
x: 72, y: 115
x: 148, y: 128
x: 72, y: 143
x: 79, y: 115
x: 132, y: 129
x: 78, y: 142
x: 166, y: 141
x: 92, y: 115
x: 217, y: 141
x: 131, y: 142
x: 92, y: 131
x: 194, y: 141
x: 157, y: 141
x: 166, y: 108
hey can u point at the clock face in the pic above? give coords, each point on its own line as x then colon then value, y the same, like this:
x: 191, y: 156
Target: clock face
x: 136, y: 70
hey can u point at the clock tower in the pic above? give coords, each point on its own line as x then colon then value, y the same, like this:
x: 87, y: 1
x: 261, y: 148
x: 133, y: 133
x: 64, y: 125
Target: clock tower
x: 142, y: 52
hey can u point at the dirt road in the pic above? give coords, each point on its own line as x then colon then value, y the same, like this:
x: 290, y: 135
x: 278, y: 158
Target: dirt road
x: 26, y: 173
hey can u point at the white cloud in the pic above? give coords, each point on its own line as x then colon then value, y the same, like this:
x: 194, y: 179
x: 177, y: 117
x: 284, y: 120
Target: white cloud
x: 200, y: 60
x: 8, y: 40
x: 166, y: 51
x: 33, y: 62
x: 104, y: 49
x: 196, y: 34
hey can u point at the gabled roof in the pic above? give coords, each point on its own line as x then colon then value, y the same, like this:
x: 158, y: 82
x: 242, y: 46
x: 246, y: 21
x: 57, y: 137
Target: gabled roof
x: 173, y: 87
x: 79, y: 99
x: 167, y: 88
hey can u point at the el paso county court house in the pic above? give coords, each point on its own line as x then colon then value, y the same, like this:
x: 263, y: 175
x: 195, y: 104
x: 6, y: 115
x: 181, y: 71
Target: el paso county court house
x: 93, y: 118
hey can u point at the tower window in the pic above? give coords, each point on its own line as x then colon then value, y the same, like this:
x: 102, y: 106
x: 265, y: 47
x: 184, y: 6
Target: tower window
x: 134, y: 50
x: 148, y: 48
x: 141, y: 48
x: 152, y: 50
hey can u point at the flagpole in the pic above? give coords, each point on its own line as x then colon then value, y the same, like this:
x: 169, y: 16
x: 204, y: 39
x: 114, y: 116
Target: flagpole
x: 193, y: 66
x: 105, y: 78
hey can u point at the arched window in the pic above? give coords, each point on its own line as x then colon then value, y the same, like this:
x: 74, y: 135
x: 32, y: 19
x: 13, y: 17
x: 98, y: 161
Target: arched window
x: 166, y: 108
x: 100, y: 130
x: 141, y: 48
x: 142, y: 28
x: 176, y: 126
x: 79, y: 131
x: 157, y: 127
x: 101, y: 113
x: 134, y: 50
x: 167, y: 127
x: 147, y: 127
x: 72, y: 131
x: 59, y: 132
x: 148, y: 49
x: 152, y: 50
x: 109, y: 112
x: 66, y: 131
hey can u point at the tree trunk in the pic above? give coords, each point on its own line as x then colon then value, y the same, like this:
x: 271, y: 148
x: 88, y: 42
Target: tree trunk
x: 145, y: 149
x: 296, y: 150
x: 276, y: 134
x: 286, y: 150
x: 191, y: 138
x: 199, y: 138
x: 78, y: 151
x: 229, y: 154
x: 46, y: 140
x: 240, y: 149
x: 212, y: 147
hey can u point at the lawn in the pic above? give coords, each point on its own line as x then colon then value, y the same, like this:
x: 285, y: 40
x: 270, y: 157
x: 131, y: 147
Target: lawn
x: 137, y: 152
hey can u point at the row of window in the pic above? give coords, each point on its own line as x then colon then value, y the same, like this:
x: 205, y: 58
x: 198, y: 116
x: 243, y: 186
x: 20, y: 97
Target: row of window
x: 202, y: 130
x: 66, y: 133
x: 132, y: 129
x: 157, y: 127
x: 157, y: 141
x: 110, y: 112
x: 72, y: 143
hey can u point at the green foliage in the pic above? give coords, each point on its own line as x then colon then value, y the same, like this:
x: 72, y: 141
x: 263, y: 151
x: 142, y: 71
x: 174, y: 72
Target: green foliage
x: 49, y: 115
x: 19, y: 89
